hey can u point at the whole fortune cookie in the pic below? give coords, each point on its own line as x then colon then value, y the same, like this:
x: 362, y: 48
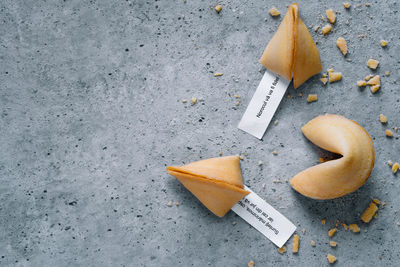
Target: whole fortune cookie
x: 339, y: 177
x: 216, y: 182
x: 292, y: 51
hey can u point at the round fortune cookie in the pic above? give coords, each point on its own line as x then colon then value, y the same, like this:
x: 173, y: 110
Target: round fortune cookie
x: 342, y: 176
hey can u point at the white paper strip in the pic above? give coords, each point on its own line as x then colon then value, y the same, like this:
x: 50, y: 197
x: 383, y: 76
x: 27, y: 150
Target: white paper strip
x: 264, y: 218
x: 264, y: 103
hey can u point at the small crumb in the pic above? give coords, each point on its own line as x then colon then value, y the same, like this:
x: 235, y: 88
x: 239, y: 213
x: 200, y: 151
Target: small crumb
x: 263, y: 186
x: 282, y: 249
x: 332, y: 232
x: 275, y: 152
x: 218, y: 74
x: 169, y: 204
x: 345, y: 226
x: 372, y: 63
x: 323, y: 221
x: 331, y: 258
x: 220, y: 153
x: 260, y: 163
x: 367, y: 4
x: 236, y: 96
x: 388, y: 133
x: 312, y: 243
x: 395, y: 167
x: 361, y: 83
x: 295, y: 247
x: 387, y: 73
x: 300, y: 94
x: 194, y: 100
x: 369, y: 212
x: 322, y: 160
x: 218, y: 8
x: 276, y: 122
x: 184, y: 100
x: 384, y: 43
x: 241, y: 157
x: 237, y: 102
x: 316, y: 28
x: 333, y: 244
x: 312, y: 98
x: 375, y: 80
x: 346, y: 5
x: 342, y: 45
x: 390, y: 163
x: 250, y: 264
x: 177, y: 203
x: 354, y: 227
x: 330, y: 14
x: 396, y: 129
x: 382, y: 118
x: 303, y: 230
x: 375, y: 88
x: 233, y: 223
x: 326, y: 29
x: 274, y: 12
x: 324, y: 80
x: 334, y: 76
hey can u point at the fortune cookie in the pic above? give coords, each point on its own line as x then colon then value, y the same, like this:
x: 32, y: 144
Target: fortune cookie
x: 341, y: 176
x: 216, y: 182
x: 292, y: 51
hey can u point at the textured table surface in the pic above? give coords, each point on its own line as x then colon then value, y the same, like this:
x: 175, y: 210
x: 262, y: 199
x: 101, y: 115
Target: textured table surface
x: 91, y: 114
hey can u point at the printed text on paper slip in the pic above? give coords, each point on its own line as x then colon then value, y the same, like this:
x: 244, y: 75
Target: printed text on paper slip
x: 264, y: 218
x: 263, y: 104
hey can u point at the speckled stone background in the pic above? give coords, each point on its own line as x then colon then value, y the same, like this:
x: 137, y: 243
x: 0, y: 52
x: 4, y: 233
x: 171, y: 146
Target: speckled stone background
x: 91, y: 114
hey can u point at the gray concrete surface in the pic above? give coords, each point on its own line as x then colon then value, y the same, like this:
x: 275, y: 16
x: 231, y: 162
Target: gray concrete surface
x: 91, y: 114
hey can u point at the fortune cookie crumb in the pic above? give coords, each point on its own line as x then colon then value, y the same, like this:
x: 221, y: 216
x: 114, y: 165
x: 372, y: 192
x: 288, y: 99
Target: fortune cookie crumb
x: 372, y: 63
x: 312, y: 98
x: 331, y: 258
x: 342, y: 45
x: 282, y: 249
x: 326, y: 29
x: 274, y: 12
x: 330, y: 14
x: 332, y: 232
x: 382, y: 118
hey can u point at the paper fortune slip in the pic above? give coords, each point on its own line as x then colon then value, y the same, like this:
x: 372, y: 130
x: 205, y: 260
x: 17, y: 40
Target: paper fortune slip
x: 262, y: 216
x: 264, y: 103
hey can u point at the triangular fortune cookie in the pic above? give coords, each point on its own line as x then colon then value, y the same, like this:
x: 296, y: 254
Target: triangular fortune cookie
x: 292, y: 51
x: 216, y: 182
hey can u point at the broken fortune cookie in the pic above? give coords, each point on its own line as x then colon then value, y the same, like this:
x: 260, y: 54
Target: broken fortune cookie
x: 336, y: 178
x: 292, y: 51
x: 216, y: 182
